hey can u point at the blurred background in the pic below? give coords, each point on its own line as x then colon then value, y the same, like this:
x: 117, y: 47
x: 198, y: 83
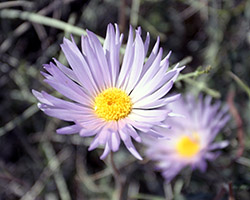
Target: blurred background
x: 210, y: 37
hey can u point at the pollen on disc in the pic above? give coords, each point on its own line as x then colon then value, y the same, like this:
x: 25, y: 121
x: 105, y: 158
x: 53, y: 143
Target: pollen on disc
x: 187, y: 147
x: 112, y: 104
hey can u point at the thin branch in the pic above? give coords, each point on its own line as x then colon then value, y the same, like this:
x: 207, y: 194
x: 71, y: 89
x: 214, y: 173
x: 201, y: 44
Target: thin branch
x: 230, y: 191
x: 37, y: 188
x: 48, y: 21
x: 15, y: 4
x: 57, y: 174
x: 183, y: 62
x: 19, y: 119
x: 240, y: 83
x: 118, y: 179
x: 147, y: 197
x: 122, y: 15
x: 244, y: 161
x: 239, y: 122
x: 203, y: 87
x: 194, y: 74
x: 220, y: 194
x: 83, y: 177
x: 134, y: 13
x: 25, y: 26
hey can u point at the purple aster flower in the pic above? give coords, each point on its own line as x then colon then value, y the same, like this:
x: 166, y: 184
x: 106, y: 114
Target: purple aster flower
x: 190, y: 141
x: 106, y: 99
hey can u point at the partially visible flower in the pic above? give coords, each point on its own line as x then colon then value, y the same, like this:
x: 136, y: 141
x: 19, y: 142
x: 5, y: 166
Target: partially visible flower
x: 190, y: 141
x: 109, y: 101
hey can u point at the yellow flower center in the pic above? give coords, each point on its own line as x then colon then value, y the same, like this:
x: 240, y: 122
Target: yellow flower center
x: 112, y: 104
x: 188, y: 146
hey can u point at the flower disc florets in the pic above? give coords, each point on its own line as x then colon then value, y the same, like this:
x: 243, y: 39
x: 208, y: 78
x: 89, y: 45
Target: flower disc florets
x: 112, y: 104
x: 187, y: 146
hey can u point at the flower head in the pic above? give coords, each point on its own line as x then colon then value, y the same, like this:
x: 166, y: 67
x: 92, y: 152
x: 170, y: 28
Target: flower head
x: 106, y: 99
x: 190, y: 140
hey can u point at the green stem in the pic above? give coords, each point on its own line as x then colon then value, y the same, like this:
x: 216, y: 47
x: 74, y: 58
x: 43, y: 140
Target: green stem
x: 146, y: 197
x: 193, y: 74
x: 118, y: 179
x: 203, y: 88
x: 240, y: 83
x: 40, y: 19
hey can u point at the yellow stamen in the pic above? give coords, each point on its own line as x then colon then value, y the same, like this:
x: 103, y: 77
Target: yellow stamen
x: 188, y: 146
x: 112, y: 104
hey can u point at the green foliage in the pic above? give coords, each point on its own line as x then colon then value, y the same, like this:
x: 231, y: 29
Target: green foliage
x: 36, y: 163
